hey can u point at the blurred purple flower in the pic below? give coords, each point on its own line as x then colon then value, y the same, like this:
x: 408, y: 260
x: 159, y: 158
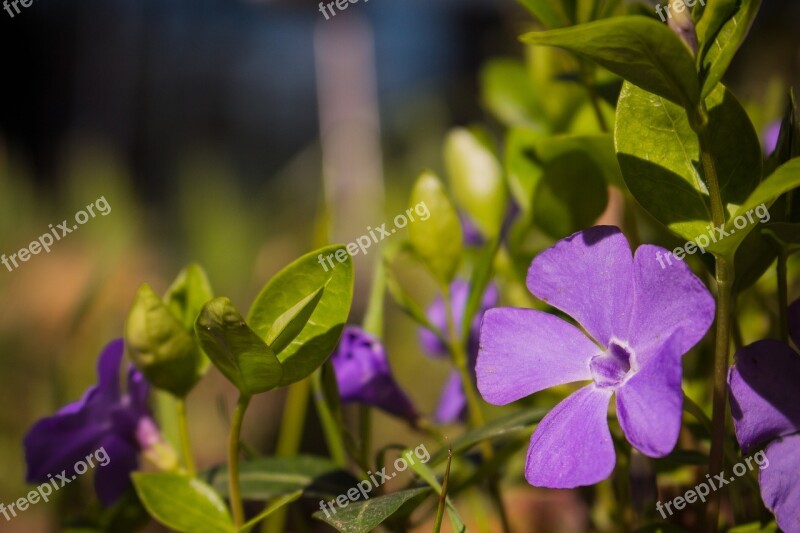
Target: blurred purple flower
x: 765, y: 404
x: 771, y: 135
x: 363, y: 374
x: 103, y: 418
x: 641, y: 319
x: 453, y: 402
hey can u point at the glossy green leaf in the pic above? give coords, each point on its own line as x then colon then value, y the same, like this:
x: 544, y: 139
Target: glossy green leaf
x: 508, y: 93
x: 364, y: 516
x: 659, y: 156
x: 438, y: 243
x: 182, y: 503
x: 638, y: 49
x: 286, y: 292
x: 476, y: 179
x: 552, y: 13
x: 188, y: 294
x: 236, y: 350
x: 271, y: 477
x: 289, y: 325
x: 161, y: 347
x: 721, y: 31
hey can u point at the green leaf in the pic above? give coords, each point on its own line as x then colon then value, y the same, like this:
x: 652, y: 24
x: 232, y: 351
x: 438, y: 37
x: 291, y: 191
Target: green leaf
x: 476, y: 179
x: 786, y: 234
x: 638, y: 49
x: 566, y: 177
x: 295, y: 284
x: 161, y: 347
x: 289, y: 325
x: 188, y: 294
x: 552, y: 13
x: 280, y: 503
x: 508, y: 93
x: 481, y: 276
x: 788, y: 145
x: 183, y: 503
x: 271, y: 477
x: 784, y: 179
x: 236, y: 350
x: 364, y: 516
x: 720, y: 31
x: 438, y: 242
x: 659, y: 156
x: 504, y: 426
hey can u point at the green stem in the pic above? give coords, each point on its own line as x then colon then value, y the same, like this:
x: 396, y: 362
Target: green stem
x: 237, y: 507
x: 724, y: 277
x: 783, y: 296
x: 330, y: 428
x: 183, y: 428
x: 365, y: 433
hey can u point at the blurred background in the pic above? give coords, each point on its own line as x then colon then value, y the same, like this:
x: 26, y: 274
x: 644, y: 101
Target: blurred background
x: 239, y: 135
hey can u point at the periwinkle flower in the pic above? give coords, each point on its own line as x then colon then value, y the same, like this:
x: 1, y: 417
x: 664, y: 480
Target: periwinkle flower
x: 453, y: 402
x: 765, y: 404
x: 104, y: 418
x: 641, y: 320
x: 364, y: 376
x: 771, y: 135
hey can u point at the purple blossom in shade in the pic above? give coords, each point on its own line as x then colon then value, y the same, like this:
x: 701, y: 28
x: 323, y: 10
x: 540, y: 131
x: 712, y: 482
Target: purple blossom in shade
x: 641, y: 319
x: 771, y: 135
x: 363, y: 374
x: 765, y: 404
x: 453, y: 402
x: 104, y: 418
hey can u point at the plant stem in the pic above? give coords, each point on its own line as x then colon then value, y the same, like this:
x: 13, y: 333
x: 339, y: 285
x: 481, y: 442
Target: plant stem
x: 330, y: 427
x: 237, y: 507
x: 724, y: 277
x: 183, y: 428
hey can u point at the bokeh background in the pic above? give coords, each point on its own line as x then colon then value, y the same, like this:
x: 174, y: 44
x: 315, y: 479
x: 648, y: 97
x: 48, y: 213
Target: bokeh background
x: 239, y: 135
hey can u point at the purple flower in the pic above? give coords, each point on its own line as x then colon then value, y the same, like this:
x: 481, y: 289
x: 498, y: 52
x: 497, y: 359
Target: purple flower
x: 103, y: 418
x: 641, y: 319
x: 453, y: 402
x: 771, y: 135
x: 363, y: 374
x: 765, y: 404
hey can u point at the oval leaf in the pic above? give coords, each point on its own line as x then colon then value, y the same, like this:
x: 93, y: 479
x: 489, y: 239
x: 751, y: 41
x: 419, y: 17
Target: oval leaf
x: 235, y: 349
x: 182, y: 503
x: 365, y: 516
x: 636, y: 48
x: 288, y: 297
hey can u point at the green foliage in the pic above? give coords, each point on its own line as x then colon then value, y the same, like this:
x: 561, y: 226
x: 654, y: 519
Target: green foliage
x: 183, y: 503
x: 159, y: 337
x: 364, y: 516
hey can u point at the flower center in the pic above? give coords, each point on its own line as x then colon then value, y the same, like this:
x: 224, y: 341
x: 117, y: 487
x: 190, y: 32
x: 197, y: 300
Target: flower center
x: 610, y: 368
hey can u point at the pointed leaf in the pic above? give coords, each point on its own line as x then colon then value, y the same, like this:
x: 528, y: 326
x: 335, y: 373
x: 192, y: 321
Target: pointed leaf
x: 235, y: 349
x: 364, y: 516
x: 638, y: 49
x: 288, y: 289
x: 188, y: 294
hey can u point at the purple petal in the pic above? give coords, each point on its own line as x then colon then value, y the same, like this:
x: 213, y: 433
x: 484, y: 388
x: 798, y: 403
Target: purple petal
x: 55, y: 443
x: 112, y: 480
x: 778, y: 479
x: 765, y: 400
x: 525, y: 351
x: 453, y: 403
x: 666, y: 300
x: 138, y: 388
x: 572, y: 445
x: 589, y: 276
x: 794, y: 322
x: 771, y: 136
x: 108, y: 369
x: 650, y: 403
